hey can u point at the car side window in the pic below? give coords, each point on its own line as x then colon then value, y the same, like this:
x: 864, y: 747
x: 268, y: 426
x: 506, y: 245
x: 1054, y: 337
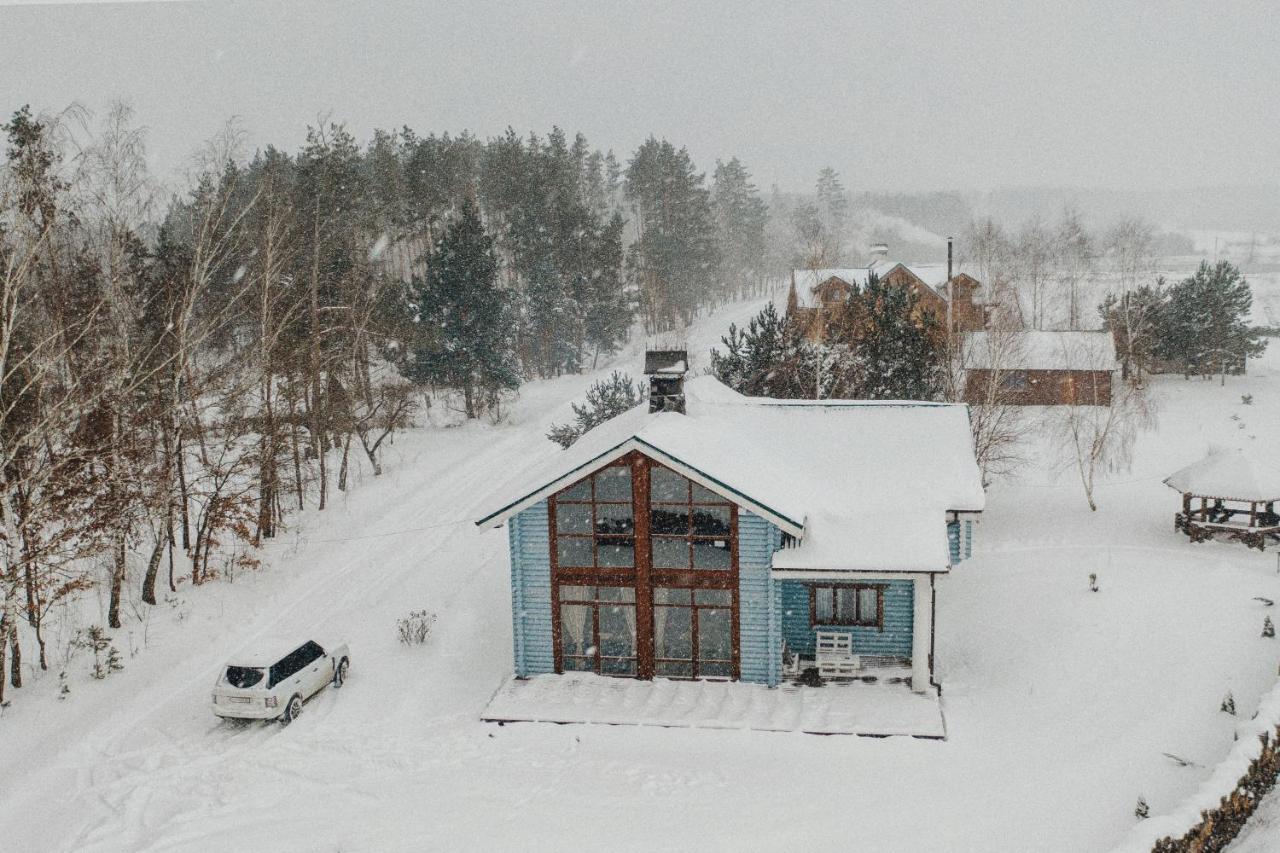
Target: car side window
x: 287, y: 666
x: 311, y: 652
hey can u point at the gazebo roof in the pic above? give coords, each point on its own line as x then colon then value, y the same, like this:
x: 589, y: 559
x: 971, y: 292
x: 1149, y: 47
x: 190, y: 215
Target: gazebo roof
x: 1230, y: 475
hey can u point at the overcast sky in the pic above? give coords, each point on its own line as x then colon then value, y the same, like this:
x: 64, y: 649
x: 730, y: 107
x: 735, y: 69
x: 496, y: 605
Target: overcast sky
x: 895, y: 95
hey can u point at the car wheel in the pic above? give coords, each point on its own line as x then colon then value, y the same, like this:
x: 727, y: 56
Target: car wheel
x: 340, y: 674
x: 291, y: 710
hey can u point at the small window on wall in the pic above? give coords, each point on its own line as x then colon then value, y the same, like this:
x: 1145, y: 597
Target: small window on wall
x: 691, y: 527
x: 1015, y: 381
x: 854, y: 605
x: 595, y: 524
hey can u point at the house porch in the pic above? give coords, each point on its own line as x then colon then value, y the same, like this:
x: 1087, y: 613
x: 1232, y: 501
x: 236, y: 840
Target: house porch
x: 879, y: 709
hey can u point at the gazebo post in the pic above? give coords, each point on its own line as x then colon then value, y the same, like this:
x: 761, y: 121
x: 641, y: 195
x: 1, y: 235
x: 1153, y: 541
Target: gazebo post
x: 1204, y: 509
x: 1253, y: 514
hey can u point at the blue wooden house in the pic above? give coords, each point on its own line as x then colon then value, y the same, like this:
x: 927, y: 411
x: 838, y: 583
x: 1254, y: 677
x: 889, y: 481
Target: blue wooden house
x: 723, y: 537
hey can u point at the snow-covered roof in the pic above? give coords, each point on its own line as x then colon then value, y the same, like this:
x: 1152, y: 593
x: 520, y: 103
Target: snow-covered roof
x: 871, y: 538
x: 1034, y: 350
x: 933, y: 275
x: 786, y: 460
x: 1231, y: 474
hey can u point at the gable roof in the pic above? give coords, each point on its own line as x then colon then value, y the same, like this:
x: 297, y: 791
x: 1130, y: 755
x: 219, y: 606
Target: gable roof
x: 786, y: 460
x: 1230, y: 474
x: 1036, y: 350
x: 933, y: 276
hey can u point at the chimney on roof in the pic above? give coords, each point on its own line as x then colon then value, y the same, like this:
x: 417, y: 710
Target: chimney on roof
x: 878, y: 251
x: 666, y: 369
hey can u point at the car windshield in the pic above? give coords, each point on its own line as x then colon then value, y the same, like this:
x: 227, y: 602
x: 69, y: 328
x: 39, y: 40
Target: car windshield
x: 243, y: 676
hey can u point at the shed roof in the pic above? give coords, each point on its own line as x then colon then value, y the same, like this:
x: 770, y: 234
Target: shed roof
x: 1231, y: 474
x: 1037, y: 350
x: 794, y: 462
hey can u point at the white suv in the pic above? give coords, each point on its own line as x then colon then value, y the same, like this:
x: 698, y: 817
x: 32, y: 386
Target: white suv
x: 258, y: 686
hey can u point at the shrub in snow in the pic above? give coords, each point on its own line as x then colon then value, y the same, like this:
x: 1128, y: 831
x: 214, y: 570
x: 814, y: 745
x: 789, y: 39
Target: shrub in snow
x: 1268, y: 629
x: 106, y: 658
x: 606, y: 399
x: 1247, y: 399
x: 64, y: 689
x: 416, y: 627
x: 1142, y: 810
x: 1229, y: 704
x: 1093, y: 582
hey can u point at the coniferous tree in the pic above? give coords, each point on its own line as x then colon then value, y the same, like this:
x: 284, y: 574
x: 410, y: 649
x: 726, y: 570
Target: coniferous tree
x: 462, y: 313
x: 1205, y: 324
x: 741, y: 216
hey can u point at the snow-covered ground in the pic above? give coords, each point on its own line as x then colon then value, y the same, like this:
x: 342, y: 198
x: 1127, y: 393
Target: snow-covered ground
x: 1062, y: 704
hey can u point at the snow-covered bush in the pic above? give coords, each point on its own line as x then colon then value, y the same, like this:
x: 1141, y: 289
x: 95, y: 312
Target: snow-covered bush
x: 415, y: 628
x: 1268, y: 628
x: 606, y: 399
x: 106, y: 657
x: 1142, y: 810
x: 1093, y: 582
x: 1229, y: 704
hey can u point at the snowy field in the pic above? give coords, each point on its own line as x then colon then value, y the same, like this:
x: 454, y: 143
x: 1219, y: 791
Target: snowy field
x: 1062, y: 705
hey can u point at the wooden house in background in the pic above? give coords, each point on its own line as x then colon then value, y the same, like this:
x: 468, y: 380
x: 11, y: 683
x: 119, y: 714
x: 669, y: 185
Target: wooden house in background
x: 1040, y: 368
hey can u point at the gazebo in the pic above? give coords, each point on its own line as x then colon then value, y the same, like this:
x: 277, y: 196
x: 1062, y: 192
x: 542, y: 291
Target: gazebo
x: 1229, y: 492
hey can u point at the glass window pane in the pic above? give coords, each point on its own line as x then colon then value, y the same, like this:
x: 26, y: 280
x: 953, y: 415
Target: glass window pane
x: 576, y: 629
x: 577, y: 593
x: 716, y: 670
x: 667, y: 485
x: 712, y: 554
x: 617, y: 593
x: 616, y: 553
x: 579, y: 665
x: 722, y: 597
x: 617, y: 630
x: 625, y: 666
x: 580, y: 491
x: 670, y: 553
x: 669, y: 519
x: 671, y: 595
x: 715, y: 634
x: 846, y: 605
x: 822, y: 605
x: 673, y: 632
x: 614, y: 484
x: 673, y: 669
x: 573, y: 518
x: 706, y: 496
x: 614, y: 518
x: 573, y: 552
x: 867, y: 610
x: 711, y: 521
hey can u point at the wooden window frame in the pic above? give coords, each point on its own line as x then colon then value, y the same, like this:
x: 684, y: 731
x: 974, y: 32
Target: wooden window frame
x: 878, y: 624
x: 642, y: 577
x: 693, y: 607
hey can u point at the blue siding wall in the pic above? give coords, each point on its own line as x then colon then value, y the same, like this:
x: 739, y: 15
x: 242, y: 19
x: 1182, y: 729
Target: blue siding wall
x: 894, y: 640
x: 953, y: 541
x: 759, y: 628
x: 531, y: 591
x: 960, y: 539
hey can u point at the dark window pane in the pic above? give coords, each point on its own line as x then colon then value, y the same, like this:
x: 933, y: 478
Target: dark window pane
x: 822, y: 608
x: 667, y: 485
x: 715, y: 634
x: 573, y: 518
x: 846, y: 605
x: 617, y: 593
x: 711, y: 521
x: 715, y: 670
x: 573, y: 552
x: 670, y: 595
x: 673, y: 669
x: 673, y: 632
x: 626, y: 666
x: 579, y: 665
x: 712, y: 554
x: 614, y: 518
x: 617, y: 630
x: 577, y: 492
x: 670, y: 553
x: 721, y: 597
x: 577, y: 593
x: 576, y: 629
x: 669, y: 519
x: 706, y: 496
x: 616, y: 553
x: 614, y: 484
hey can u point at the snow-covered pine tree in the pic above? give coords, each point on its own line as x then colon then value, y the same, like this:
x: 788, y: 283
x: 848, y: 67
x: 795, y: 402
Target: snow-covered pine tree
x: 606, y: 399
x: 462, y: 313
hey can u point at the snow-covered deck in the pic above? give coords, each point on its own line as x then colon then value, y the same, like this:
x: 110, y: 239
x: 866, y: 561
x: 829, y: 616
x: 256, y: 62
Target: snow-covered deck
x: 849, y: 709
